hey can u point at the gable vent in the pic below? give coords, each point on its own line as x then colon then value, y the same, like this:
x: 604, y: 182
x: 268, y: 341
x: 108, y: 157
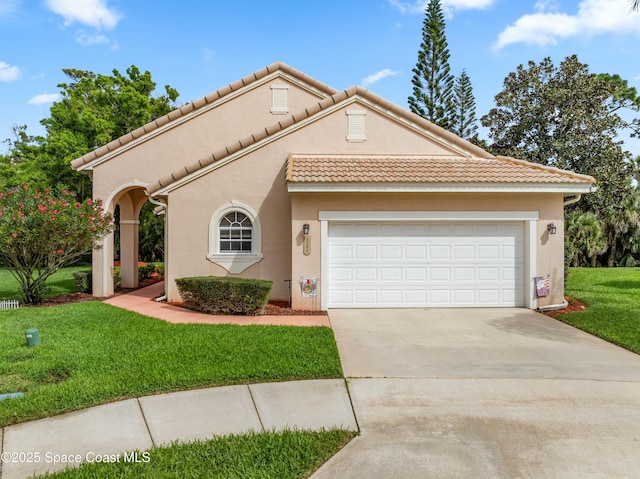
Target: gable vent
x: 356, y: 125
x: 279, y: 99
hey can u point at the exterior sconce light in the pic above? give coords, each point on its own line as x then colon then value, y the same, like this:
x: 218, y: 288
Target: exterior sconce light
x: 306, y: 240
x: 551, y: 228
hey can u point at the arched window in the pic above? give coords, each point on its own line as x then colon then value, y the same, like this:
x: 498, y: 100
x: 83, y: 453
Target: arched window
x: 234, y: 237
x: 236, y: 233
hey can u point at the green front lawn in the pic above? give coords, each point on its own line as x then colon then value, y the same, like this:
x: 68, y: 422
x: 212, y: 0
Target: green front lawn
x: 289, y: 454
x: 93, y: 353
x: 61, y: 282
x: 612, y: 296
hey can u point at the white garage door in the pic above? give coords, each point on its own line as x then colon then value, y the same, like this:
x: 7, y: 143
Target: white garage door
x: 425, y: 264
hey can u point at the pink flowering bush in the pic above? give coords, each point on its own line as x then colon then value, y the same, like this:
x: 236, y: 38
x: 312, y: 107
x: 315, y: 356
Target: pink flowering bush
x: 42, y: 231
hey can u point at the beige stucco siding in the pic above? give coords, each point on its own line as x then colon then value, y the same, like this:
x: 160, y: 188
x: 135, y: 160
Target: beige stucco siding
x: 196, y: 137
x: 257, y: 179
x: 549, y: 249
x: 254, y: 181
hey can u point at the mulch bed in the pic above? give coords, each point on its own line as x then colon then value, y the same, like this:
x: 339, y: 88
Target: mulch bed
x: 274, y: 308
x: 574, y: 306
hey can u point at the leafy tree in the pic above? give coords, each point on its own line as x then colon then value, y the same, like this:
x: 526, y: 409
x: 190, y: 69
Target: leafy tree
x: 567, y: 117
x: 432, y: 80
x: 563, y: 117
x: 42, y: 231
x: 94, y: 109
x: 464, y: 123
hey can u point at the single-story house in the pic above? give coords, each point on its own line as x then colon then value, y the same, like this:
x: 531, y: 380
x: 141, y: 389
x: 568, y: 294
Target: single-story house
x: 341, y: 198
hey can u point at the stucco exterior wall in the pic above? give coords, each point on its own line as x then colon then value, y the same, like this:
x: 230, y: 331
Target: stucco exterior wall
x: 257, y: 179
x: 305, y: 208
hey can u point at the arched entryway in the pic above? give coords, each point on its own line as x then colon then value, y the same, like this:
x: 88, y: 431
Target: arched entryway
x: 129, y: 199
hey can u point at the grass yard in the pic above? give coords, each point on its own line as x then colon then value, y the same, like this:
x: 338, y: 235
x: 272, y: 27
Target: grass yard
x: 93, y: 353
x: 61, y: 282
x: 612, y: 296
x: 289, y: 454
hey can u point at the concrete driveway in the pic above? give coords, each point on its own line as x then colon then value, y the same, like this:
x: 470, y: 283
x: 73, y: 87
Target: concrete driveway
x: 495, y: 393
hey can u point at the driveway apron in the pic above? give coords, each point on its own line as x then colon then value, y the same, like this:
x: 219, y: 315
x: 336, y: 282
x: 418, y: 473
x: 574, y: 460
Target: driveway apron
x: 495, y: 393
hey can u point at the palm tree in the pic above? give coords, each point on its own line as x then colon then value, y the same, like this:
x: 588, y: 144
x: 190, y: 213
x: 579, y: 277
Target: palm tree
x: 635, y: 5
x: 585, y: 237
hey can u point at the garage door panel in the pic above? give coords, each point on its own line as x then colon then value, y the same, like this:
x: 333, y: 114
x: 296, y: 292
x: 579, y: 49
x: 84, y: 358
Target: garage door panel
x: 464, y: 274
x: 341, y: 274
x: 415, y: 252
x: 425, y: 264
x: 439, y: 252
x: 366, y: 252
x: 341, y: 252
x: 391, y: 274
x: 464, y: 252
x: 439, y: 274
x: 390, y: 252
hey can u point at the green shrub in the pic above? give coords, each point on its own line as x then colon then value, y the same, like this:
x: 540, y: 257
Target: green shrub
x: 146, y: 271
x: 221, y: 295
x: 158, y: 267
x: 83, y: 281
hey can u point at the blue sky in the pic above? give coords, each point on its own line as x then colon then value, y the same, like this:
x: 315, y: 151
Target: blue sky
x: 198, y: 46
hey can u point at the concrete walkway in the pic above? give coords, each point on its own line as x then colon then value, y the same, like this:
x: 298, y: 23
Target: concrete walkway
x: 109, y: 431
x: 141, y: 301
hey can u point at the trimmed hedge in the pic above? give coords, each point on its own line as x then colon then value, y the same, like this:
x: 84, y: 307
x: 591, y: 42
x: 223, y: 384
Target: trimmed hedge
x: 224, y: 295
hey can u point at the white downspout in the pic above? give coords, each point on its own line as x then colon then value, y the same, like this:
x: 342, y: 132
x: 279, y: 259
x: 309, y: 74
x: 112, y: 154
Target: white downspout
x: 572, y: 199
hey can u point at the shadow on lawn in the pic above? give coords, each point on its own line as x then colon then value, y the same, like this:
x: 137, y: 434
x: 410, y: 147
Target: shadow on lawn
x: 624, y: 284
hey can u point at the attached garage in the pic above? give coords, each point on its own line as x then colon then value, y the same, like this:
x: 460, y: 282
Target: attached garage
x: 427, y: 264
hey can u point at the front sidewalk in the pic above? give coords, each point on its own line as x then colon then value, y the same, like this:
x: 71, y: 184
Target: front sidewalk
x: 112, y: 431
x: 142, y: 301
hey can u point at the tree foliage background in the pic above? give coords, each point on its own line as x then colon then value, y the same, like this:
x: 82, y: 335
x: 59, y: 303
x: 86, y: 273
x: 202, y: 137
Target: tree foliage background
x: 94, y: 109
x: 567, y: 117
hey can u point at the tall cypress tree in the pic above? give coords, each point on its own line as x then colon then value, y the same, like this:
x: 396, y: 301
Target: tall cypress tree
x: 464, y: 124
x: 432, y: 80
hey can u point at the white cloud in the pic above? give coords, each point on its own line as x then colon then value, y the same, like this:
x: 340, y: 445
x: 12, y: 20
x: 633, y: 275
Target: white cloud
x: 371, y: 79
x: 87, y: 39
x: 448, y: 6
x: 593, y: 17
x: 93, y: 13
x: 8, y: 72
x: 43, y: 99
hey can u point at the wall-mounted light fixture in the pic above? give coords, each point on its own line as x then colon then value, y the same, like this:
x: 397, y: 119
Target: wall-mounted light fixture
x: 305, y: 228
x: 551, y: 228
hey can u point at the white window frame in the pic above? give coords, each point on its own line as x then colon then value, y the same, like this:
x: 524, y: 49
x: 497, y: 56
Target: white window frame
x: 234, y: 262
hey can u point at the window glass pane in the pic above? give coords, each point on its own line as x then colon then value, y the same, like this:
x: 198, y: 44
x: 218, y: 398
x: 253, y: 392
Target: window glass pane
x: 235, y: 233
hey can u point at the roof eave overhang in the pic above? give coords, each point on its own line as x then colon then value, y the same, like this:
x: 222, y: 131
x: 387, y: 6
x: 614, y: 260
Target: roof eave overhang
x: 564, y: 188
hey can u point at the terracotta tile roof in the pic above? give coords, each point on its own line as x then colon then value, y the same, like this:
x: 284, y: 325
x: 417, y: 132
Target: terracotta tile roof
x: 313, y: 109
x: 198, y: 104
x: 422, y: 169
